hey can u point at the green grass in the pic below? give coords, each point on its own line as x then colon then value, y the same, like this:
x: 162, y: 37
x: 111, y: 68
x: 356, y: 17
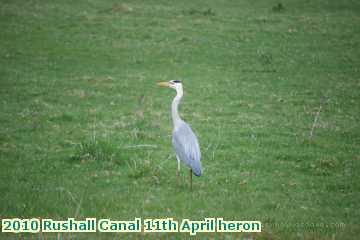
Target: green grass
x: 85, y: 132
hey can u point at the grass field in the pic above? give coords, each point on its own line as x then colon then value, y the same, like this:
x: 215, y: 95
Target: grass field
x: 271, y: 90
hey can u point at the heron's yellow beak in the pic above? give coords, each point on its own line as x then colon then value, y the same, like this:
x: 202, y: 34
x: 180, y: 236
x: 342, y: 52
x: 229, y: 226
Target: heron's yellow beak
x: 163, y: 84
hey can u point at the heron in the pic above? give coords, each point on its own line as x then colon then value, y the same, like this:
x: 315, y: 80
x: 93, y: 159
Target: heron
x: 185, y: 142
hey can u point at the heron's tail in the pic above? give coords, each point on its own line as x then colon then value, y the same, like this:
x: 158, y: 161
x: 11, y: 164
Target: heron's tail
x: 196, y: 169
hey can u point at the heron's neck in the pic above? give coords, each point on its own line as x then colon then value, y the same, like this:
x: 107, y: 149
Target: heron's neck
x: 174, y: 108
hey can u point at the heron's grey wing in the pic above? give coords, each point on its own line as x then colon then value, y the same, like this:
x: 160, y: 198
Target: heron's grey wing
x: 187, y: 147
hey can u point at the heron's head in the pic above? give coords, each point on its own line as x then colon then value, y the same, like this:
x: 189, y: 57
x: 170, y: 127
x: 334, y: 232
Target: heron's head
x: 175, y: 84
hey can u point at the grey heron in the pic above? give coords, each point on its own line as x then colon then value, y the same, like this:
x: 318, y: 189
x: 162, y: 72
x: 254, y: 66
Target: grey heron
x: 184, y: 140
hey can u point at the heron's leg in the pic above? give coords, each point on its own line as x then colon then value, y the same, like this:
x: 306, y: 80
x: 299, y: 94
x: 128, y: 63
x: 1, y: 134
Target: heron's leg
x: 178, y: 171
x: 190, y: 179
